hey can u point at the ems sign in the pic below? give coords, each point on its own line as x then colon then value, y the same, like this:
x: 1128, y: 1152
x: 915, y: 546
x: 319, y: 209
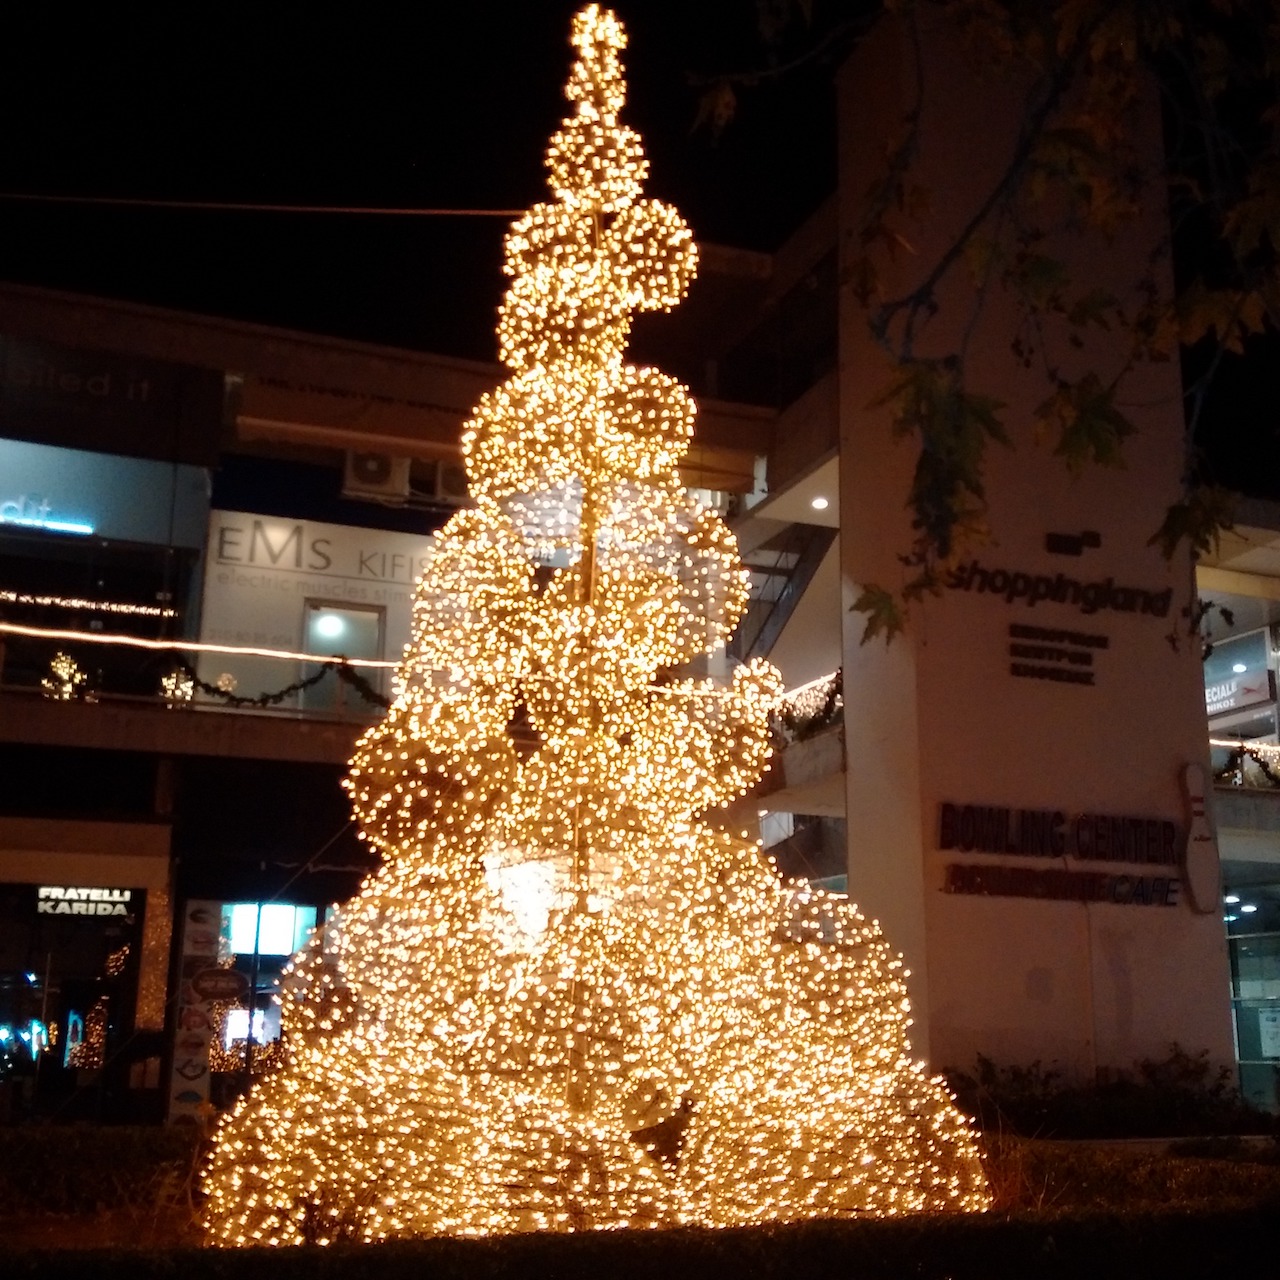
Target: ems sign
x: 64, y: 900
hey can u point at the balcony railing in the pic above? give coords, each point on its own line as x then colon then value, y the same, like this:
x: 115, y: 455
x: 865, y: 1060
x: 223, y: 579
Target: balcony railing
x: 185, y: 675
x: 182, y: 697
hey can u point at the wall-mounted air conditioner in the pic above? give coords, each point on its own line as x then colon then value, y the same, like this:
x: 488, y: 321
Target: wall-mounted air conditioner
x: 380, y: 476
x: 449, y: 485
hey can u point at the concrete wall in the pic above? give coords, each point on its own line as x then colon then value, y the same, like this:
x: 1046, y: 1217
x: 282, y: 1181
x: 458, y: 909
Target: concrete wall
x: 938, y: 716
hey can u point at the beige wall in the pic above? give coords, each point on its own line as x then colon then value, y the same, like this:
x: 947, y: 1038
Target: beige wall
x: 937, y: 716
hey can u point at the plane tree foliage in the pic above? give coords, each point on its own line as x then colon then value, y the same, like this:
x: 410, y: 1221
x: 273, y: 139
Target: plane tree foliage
x: 1073, y: 160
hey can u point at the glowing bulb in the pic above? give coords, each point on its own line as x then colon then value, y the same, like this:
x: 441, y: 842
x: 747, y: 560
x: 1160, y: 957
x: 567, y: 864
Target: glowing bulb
x: 328, y: 626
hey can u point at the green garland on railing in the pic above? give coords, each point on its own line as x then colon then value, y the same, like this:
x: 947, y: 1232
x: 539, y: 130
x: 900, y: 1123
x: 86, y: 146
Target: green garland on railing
x: 789, y: 725
x: 1235, y: 761
x: 339, y: 666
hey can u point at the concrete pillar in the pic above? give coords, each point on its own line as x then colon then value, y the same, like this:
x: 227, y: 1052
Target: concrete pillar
x: 1018, y: 965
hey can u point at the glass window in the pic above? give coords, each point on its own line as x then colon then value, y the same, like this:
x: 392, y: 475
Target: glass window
x: 342, y: 631
x: 1252, y: 914
x: 257, y: 941
x: 269, y: 928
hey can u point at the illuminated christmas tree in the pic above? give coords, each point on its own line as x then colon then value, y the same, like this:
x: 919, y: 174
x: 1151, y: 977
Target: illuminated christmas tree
x: 565, y: 1001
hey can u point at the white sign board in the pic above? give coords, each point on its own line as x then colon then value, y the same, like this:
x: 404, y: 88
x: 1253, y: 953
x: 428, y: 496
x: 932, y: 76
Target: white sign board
x: 261, y: 572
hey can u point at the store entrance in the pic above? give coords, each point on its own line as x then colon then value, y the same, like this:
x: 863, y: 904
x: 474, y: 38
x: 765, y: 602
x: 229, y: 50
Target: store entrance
x: 68, y: 987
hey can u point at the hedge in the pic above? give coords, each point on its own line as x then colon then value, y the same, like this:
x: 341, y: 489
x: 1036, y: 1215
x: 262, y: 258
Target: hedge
x: 1167, y: 1246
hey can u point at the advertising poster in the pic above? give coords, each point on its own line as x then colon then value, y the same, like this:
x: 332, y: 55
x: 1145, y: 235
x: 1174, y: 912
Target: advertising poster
x: 1269, y: 1032
x: 189, y: 1075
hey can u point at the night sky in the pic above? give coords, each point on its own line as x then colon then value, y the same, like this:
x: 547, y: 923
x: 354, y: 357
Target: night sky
x: 431, y: 105
x: 428, y: 105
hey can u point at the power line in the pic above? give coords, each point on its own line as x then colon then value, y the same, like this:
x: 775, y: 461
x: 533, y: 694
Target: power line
x: 131, y: 202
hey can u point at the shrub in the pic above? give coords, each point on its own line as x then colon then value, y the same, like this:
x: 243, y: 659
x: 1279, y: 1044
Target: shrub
x: 1181, y: 1095
x: 78, y: 1169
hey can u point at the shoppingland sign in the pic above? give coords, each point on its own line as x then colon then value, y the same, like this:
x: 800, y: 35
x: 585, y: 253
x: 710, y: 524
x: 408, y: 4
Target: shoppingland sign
x: 1031, y: 589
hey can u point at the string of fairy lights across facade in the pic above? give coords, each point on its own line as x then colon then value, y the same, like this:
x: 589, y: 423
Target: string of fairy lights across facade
x: 71, y: 635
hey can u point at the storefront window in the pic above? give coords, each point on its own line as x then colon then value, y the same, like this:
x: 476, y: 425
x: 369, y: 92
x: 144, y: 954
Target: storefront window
x: 1252, y: 913
x: 228, y: 1022
x: 90, y: 543
x: 68, y: 988
x: 340, y: 630
x: 259, y: 940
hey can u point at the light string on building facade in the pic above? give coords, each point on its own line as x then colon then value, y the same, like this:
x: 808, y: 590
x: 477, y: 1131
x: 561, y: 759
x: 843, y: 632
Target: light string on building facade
x: 181, y: 646
x: 566, y: 1001
x: 1266, y: 755
x: 451, y: 673
x: 87, y: 606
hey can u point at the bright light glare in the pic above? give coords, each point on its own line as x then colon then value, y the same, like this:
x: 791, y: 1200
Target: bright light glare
x: 1239, y: 667
x: 237, y: 1026
x: 275, y: 935
x: 328, y: 626
x: 820, y: 503
x: 529, y: 891
x: 56, y: 526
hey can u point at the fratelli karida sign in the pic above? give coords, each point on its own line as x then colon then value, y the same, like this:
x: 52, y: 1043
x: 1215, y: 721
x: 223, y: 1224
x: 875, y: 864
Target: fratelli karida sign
x: 71, y: 900
x: 1151, y: 846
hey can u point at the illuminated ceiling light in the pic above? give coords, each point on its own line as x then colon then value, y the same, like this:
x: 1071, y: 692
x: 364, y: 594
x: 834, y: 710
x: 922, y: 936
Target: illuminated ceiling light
x: 328, y: 626
x: 1231, y: 899
x: 566, y: 1001
x: 1239, y: 668
x: 819, y: 503
x: 1248, y: 908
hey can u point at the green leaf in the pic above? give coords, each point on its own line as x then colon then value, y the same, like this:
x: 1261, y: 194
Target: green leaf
x: 954, y: 426
x: 1199, y: 519
x: 1230, y: 315
x: 1088, y: 426
x: 884, y: 615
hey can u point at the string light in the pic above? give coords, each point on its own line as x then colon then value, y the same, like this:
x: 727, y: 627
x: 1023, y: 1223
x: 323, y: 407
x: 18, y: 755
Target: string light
x: 92, y: 606
x: 565, y: 1001
x: 1270, y: 750
x: 65, y: 680
x: 183, y: 646
x: 807, y: 700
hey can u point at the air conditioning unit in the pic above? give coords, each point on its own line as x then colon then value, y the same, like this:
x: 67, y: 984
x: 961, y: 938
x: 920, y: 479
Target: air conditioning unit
x: 380, y: 476
x: 449, y: 485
